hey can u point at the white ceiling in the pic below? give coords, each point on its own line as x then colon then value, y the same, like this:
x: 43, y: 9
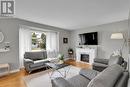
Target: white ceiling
x: 72, y: 14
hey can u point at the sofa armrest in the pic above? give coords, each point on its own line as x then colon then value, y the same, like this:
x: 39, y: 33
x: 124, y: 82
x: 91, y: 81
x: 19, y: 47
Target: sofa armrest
x: 88, y: 73
x: 60, y: 82
x: 28, y: 61
x: 103, y: 61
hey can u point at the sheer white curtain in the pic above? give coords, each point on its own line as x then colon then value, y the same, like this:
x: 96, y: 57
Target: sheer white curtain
x: 24, y: 43
x: 52, y: 44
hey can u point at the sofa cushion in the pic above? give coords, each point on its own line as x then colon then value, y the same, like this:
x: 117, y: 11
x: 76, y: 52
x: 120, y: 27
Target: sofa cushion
x: 60, y: 82
x: 35, y: 55
x: 108, y: 77
x: 99, y: 60
x: 36, y: 65
x: 78, y: 81
x: 115, y: 60
x: 88, y: 73
x: 100, y: 65
x: 122, y: 82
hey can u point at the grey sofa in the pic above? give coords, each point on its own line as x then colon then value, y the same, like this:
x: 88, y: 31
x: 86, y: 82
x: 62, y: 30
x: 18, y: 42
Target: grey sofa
x: 35, y: 60
x: 112, y: 76
x: 101, y: 64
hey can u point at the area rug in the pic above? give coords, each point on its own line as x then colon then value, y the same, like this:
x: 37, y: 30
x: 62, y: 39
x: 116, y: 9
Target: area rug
x: 42, y: 79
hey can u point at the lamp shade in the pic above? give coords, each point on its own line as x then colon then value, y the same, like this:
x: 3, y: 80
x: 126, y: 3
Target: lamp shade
x: 117, y: 36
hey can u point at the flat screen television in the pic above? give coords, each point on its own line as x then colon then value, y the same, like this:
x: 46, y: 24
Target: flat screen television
x: 89, y: 38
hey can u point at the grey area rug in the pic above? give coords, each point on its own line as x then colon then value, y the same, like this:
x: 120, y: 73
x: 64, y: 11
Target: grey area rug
x: 42, y: 79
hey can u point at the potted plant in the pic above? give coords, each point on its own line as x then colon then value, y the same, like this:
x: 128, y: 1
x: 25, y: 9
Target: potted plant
x: 61, y: 58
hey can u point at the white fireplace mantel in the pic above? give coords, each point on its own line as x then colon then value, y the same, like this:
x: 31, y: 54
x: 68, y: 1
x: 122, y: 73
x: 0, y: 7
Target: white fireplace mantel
x: 92, y: 52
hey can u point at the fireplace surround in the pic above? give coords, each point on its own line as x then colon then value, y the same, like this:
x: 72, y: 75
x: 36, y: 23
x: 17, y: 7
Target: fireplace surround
x: 92, y: 52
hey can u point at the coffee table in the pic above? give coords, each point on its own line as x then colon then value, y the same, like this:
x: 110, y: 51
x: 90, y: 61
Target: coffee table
x: 55, y: 68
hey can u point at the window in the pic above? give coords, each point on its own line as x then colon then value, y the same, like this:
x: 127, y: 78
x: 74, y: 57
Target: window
x: 34, y: 40
x: 38, y: 41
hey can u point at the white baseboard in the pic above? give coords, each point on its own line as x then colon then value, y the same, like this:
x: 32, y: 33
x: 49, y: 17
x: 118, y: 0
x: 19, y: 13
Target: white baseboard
x: 7, y: 73
x: 68, y: 58
x: 14, y: 71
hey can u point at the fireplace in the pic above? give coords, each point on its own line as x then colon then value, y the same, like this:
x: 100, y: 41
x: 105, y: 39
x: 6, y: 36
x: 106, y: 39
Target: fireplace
x: 84, y: 57
x: 86, y: 54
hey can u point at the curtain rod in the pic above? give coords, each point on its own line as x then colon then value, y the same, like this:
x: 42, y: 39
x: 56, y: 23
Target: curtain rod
x: 36, y: 28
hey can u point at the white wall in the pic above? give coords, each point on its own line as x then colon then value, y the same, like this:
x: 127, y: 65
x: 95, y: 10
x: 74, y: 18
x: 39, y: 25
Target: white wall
x: 129, y: 47
x: 106, y: 45
x: 129, y: 41
x: 10, y: 29
x: 129, y: 31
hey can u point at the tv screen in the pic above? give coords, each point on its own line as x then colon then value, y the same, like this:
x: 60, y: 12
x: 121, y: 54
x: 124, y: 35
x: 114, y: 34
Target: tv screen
x: 89, y: 38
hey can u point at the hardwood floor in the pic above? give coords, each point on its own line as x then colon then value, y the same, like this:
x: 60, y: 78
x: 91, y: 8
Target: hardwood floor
x: 78, y: 64
x: 15, y: 79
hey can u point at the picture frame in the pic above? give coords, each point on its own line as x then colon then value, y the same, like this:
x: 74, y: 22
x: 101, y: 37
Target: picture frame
x: 65, y: 40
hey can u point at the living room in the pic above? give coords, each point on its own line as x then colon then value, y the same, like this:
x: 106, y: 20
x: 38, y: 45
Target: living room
x: 64, y: 26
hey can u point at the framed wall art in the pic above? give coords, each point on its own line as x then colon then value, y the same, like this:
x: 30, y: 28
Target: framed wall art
x: 65, y: 40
